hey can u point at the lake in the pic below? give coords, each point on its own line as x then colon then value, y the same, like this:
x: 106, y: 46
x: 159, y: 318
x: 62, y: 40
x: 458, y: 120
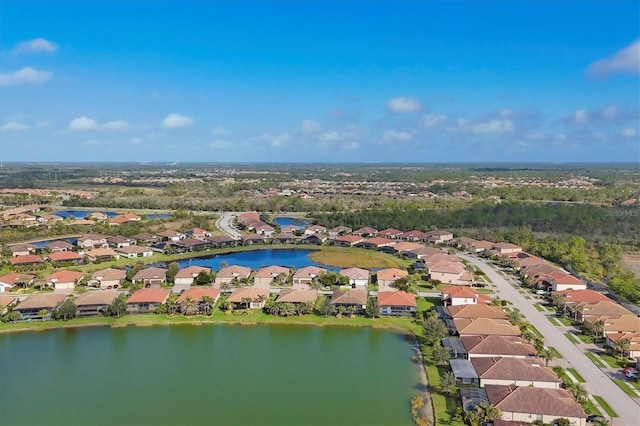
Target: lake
x: 81, y: 214
x: 284, y: 221
x: 43, y: 243
x: 256, y: 259
x: 212, y: 374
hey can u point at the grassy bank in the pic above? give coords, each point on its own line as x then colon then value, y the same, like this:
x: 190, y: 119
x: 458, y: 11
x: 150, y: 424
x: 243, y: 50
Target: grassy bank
x: 346, y: 257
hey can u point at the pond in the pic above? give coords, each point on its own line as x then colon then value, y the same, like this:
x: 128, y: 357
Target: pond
x: 284, y: 221
x: 81, y: 214
x: 154, y: 216
x: 41, y: 244
x: 211, y: 374
x: 256, y: 259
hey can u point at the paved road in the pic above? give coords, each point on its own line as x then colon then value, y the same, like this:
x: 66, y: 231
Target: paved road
x: 598, y: 382
x: 225, y: 224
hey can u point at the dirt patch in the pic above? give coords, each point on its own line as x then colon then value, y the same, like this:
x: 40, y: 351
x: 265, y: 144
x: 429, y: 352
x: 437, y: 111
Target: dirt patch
x: 631, y: 261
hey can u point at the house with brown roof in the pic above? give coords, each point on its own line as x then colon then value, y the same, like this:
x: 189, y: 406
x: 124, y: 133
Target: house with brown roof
x: 23, y: 249
x: 506, y: 248
x: 297, y: 296
x: 558, y: 281
x: 388, y: 276
x: 26, y: 260
x: 232, y: 272
x: 171, y: 236
x: 147, y: 300
x: 198, y: 294
x: 9, y: 280
x: 124, y: 218
x: 422, y: 253
x: 65, y: 257
x: 251, y: 239
x: 358, y: 277
x: 391, y: 233
x: 315, y: 229
x: 479, y: 246
x: 525, y: 403
x: 31, y: 307
x: 56, y: 246
x: 108, y: 278
x: 198, y: 233
x: 186, y: 276
x: 347, y: 240
x: 497, y: 346
x: 595, y: 311
x: 96, y: 302
x: 145, y: 238
x: 248, y: 298
x: 271, y: 274
x: 316, y: 239
x: 397, y: 303
x: 439, y: 236
x: 404, y: 247
x: 91, y: 241
x: 633, y: 338
x: 356, y: 299
x: 6, y: 302
x: 582, y: 296
x: 150, y: 277
x: 289, y: 229
x: 458, y: 295
x: 449, y: 272
x: 475, y: 311
x: 64, y: 280
x: 284, y: 238
x: 413, y: 235
x: 135, y: 251
x: 265, y: 230
x: 366, y: 232
x: 338, y: 231
x: 515, y: 371
x: 484, y: 327
x: 118, y: 241
x: 307, y: 274
x: 376, y: 243
x: 101, y: 255
x: 616, y: 324
x: 221, y: 241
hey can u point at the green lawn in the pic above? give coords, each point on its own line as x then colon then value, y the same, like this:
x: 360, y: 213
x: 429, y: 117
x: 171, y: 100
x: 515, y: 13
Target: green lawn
x: 555, y: 352
x: 605, y: 406
x: 595, y: 360
x: 584, y: 338
x: 424, y: 304
x: 565, y: 321
x: 577, y: 375
x: 535, y: 331
x: 590, y: 408
x: 626, y: 387
x: 572, y: 337
x: 539, y: 307
x: 555, y: 322
x: 613, y: 361
x: 443, y: 406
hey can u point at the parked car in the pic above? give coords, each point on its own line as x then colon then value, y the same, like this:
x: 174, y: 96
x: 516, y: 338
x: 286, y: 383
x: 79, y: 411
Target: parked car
x: 631, y: 374
x: 628, y: 369
x: 479, y: 285
x: 594, y: 418
x: 542, y: 292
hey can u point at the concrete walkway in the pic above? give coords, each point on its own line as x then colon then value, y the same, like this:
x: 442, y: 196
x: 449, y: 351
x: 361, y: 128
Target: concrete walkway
x: 597, y: 382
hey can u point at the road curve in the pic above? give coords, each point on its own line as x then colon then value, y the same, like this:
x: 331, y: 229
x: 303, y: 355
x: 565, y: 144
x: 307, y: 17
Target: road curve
x: 597, y: 381
x: 225, y: 224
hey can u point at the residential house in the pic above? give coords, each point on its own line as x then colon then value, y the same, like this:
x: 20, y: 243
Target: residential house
x: 147, y: 300
x: 591, y: 312
x: 366, y: 232
x: 91, y: 241
x: 475, y: 311
x: 439, y: 236
x: 232, y: 273
x: 376, y: 243
x: 633, y: 338
x: 315, y: 229
x: 497, y: 346
x: 582, y: 296
x: 347, y: 240
x: 23, y: 249
x: 251, y: 239
x: 124, y: 218
x: 135, y: 251
x: 354, y: 299
x: 6, y: 302
x: 398, y: 303
x: 338, y: 231
x: 403, y: 247
x: 265, y: 230
x: 440, y: 257
x: 7, y: 281
x: 65, y: 257
x: 515, y: 371
x: 26, y: 260
x: 558, y: 281
x: 297, y: 296
x: 528, y: 404
x: 222, y: 241
x: 39, y: 306
x: 198, y: 294
x: 101, y: 255
x: 145, y: 238
x: 484, y: 327
x: 96, y: 302
x: 171, y: 236
x: 151, y: 277
x: 64, y: 280
x: 118, y: 241
x: 248, y: 298
x: 423, y: 252
x: 81, y: 222
x: 198, y: 233
x: 386, y: 277
x: 307, y: 274
x: 58, y: 246
x: 414, y: 236
x: 108, y: 278
x: 458, y: 296
x: 506, y: 248
x: 358, y: 277
x: 449, y: 272
x: 284, y: 238
x: 289, y: 229
x: 615, y: 325
x: 186, y: 276
x: 316, y: 239
x: 190, y: 244
x: 479, y: 246
x: 269, y: 274
x: 390, y: 233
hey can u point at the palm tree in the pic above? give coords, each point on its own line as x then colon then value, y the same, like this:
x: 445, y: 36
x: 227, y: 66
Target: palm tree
x: 225, y: 286
x: 207, y: 304
x: 448, y: 383
x: 560, y: 302
x: 515, y: 317
x: 441, y: 356
x: 528, y: 335
x: 622, y: 347
x: 578, y: 391
x: 43, y: 313
x: 172, y: 306
x: 547, y: 354
x: 189, y: 306
x: 247, y: 302
x: 597, y: 329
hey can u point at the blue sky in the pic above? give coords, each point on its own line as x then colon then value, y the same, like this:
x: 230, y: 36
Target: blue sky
x: 306, y: 81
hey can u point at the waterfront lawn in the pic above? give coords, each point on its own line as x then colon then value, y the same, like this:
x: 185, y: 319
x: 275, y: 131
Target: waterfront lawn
x: 346, y: 257
x: 444, y: 406
x: 424, y: 303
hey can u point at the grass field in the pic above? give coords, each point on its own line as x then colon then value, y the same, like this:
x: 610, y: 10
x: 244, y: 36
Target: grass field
x: 577, y: 375
x: 605, y: 406
x: 595, y: 360
x: 346, y: 257
x: 626, y: 388
x: 572, y: 337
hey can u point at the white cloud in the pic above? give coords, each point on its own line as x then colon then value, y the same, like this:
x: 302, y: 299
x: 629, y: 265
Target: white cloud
x: 220, y: 131
x: 506, y: 112
x: 403, y: 104
x: 610, y: 112
x: 116, y: 125
x: 36, y: 45
x: 310, y: 127
x: 431, y: 121
x: 275, y: 140
x: 26, y: 75
x: 629, y: 132
x: 42, y: 124
x: 396, y: 136
x: 581, y: 117
x: 220, y: 144
x: 176, y: 121
x: 83, y: 124
x: 135, y: 141
x: 13, y: 127
x: 624, y: 61
x: 493, y: 126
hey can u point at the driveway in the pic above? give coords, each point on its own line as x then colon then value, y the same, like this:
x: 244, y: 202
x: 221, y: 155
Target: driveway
x: 225, y: 224
x: 597, y: 381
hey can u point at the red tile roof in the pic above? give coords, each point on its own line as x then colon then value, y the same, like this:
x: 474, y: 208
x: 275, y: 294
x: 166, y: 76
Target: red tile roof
x: 62, y: 256
x: 396, y: 298
x: 149, y: 295
x: 197, y: 293
x: 25, y: 259
x: 65, y: 276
